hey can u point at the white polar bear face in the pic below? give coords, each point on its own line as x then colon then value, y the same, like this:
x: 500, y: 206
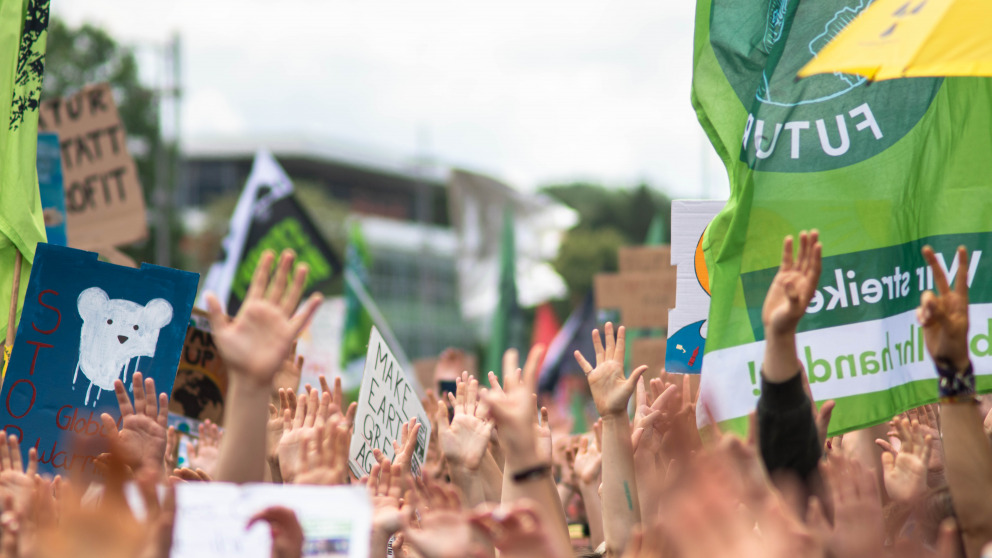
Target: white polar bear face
x: 115, y: 331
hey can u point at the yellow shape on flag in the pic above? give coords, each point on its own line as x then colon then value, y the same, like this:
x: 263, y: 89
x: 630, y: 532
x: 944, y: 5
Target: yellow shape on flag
x: 911, y: 38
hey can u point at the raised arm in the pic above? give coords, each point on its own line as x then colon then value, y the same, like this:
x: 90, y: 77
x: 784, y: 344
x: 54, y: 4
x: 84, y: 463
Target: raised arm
x: 254, y: 345
x: 611, y: 392
x: 967, y: 455
x: 788, y: 439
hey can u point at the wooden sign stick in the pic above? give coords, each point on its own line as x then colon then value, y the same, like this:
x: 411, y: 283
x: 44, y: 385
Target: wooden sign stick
x: 11, y: 330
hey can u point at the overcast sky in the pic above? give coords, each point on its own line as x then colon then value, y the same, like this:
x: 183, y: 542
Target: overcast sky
x: 532, y: 91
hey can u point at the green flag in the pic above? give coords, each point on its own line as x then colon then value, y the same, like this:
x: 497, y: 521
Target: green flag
x: 23, y: 35
x: 879, y: 168
x: 357, y: 320
x: 507, y: 322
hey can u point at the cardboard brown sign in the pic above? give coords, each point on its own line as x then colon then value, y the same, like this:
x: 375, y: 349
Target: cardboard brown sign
x: 645, y: 259
x: 201, y: 380
x: 103, y: 198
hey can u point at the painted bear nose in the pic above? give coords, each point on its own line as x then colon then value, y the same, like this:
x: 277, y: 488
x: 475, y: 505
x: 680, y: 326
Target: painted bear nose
x: 122, y: 338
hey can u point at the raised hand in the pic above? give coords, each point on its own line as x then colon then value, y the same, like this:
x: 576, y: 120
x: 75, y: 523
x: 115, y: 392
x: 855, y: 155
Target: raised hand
x: 171, y: 458
x: 385, y: 490
x: 203, y: 454
x: 611, y: 390
x: 16, y: 482
x: 513, y: 406
x: 142, y: 437
x: 445, y: 530
x: 323, y: 458
x: 404, y: 448
x: 944, y: 316
x: 588, y: 462
x: 794, y: 285
x: 256, y: 342
x: 517, y: 531
x: 905, y: 470
x: 465, y: 440
x: 858, y: 529
x: 296, y: 429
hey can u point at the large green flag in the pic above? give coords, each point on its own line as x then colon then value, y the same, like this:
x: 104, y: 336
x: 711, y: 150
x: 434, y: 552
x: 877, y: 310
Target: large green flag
x: 879, y: 168
x: 23, y: 35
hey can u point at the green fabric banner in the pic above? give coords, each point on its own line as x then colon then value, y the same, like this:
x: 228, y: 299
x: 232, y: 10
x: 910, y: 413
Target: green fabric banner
x: 879, y: 168
x: 23, y: 36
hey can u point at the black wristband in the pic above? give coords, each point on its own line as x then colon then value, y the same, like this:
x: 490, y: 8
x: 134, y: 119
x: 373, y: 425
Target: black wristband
x: 532, y: 473
x: 953, y: 384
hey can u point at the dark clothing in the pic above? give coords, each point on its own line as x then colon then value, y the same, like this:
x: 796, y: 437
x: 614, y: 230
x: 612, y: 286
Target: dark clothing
x: 786, y: 429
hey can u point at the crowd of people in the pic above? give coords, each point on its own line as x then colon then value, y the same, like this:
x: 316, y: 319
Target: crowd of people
x: 499, y: 480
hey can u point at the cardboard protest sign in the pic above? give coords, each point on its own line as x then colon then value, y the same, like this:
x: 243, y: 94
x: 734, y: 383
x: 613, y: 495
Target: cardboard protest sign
x: 643, y: 290
x: 211, y: 519
x: 85, y: 324
x: 201, y: 381
x: 687, y: 321
x: 386, y: 400
x: 103, y: 198
x: 51, y: 187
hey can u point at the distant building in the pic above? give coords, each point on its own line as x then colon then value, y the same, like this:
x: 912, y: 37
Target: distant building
x: 404, y: 215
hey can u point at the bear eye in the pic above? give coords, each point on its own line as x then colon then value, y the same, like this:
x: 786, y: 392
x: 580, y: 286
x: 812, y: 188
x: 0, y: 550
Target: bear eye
x: 135, y: 327
x: 110, y: 322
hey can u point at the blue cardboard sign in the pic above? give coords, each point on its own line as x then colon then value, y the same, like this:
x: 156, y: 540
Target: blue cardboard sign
x: 85, y: 324
x: 52, y: 188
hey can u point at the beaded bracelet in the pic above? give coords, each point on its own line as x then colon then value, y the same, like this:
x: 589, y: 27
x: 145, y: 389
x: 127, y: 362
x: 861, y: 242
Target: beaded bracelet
x: 955, y: 385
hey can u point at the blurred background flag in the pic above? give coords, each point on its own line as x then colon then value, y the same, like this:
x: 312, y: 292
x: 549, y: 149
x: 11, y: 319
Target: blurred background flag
x: 267, y: 217
x: 23, y: 37
x: 485, y: 214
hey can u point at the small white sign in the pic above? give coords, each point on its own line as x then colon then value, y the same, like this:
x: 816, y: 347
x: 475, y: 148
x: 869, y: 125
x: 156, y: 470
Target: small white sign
x: 387, y: 399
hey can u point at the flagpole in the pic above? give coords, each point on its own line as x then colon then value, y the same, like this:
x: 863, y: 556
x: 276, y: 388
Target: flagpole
x: 8, y: 345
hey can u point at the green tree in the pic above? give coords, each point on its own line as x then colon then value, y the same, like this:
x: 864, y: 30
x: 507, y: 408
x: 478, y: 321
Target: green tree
x: 608, y: 219
x: 88, y: 54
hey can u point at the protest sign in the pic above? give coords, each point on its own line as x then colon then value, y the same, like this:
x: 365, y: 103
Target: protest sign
x: 386, y: 400
x: 201, y: 381
x: 318, y: 345
x: 268, y: 217
x: 880, y: 169
x: 644, y: 288
x: 85, y: 324
x: 103, y: 198
x: 51, y: 187
x: 211, y: 519
x: 687, y: 321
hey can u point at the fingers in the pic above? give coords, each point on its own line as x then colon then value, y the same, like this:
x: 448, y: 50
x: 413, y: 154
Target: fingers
x: 621, y: 347
x: 961, y: 281
x: 260, y: 279
x: 16, y: 461
x: 786, y: 254
x: 215, y: 313
x: 292, y: 299
x: 151, y: 409
x: 597, y: 344
x: 530, y: 369
x: 637, y: 373
x: 303, y: 317
x: 278, y: 286
x: 610, y: 342
x: 939, y: 279
x: 583, y: 363
x: 511, y: 361
x: 123, y: 401
x: 5, y: 461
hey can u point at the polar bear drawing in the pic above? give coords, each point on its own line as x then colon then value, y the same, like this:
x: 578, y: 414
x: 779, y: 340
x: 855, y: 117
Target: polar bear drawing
x: 115, y: 331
